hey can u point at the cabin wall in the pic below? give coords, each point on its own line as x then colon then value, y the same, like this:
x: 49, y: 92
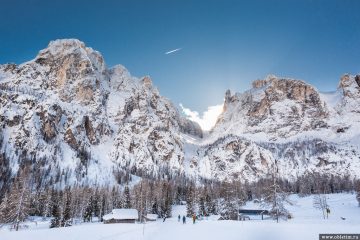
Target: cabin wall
x: 119, y: 221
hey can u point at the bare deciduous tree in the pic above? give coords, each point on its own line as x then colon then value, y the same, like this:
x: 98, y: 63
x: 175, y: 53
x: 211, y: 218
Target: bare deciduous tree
x: 274, y: 197
x: 320, y: 202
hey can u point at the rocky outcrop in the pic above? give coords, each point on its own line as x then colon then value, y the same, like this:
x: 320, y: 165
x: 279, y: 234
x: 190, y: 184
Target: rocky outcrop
x: 357, y: 80
x: 350, y: 89
x: 49, y: 121
x: 237, y: 158
x: 73, y: 70
x: 234, y: 158
x: 274, y: 106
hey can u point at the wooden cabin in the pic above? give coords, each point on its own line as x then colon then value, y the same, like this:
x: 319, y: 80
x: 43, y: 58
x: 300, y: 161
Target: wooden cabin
x: 244, y: 214
x: 121, y: 215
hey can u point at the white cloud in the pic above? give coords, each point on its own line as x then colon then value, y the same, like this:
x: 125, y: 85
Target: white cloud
x: 208, y: 118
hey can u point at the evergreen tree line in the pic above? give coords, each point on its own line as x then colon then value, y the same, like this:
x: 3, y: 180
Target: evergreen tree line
x: 74, y: 204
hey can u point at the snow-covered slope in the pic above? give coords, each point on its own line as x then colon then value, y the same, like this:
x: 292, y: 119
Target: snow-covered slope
x: 73, y: 120
x: 234, y: 158
x: 307, y: 223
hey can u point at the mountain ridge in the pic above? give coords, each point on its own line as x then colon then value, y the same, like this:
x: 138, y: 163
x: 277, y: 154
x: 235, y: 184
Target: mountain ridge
x: 76, y: 121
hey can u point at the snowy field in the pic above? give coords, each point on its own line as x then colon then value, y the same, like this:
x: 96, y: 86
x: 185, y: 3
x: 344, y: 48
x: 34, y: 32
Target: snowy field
x: 306, y: 224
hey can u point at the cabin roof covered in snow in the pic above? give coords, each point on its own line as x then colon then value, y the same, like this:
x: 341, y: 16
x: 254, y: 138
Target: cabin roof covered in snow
x: 122, y: 214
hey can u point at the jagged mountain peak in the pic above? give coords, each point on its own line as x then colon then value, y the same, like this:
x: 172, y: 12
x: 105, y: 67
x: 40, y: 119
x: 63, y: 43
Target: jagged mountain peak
x: 119, y: 69
x: 262, y: 82
x: 279, y: 87
x: 350, y: 85
x: 147, y: 82
x: 62, y: 47
x: 278, y: 107
x: 71, y: 52
x: 280, y: 82
x: 349, y: 79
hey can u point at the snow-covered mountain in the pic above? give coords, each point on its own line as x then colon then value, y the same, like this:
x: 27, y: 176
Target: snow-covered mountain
x: 75, y: 120
x: 79, y: 121
x: 288, y: 121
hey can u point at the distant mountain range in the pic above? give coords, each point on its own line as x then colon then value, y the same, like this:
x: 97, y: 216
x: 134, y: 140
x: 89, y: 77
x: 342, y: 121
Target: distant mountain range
x: 77, y: 121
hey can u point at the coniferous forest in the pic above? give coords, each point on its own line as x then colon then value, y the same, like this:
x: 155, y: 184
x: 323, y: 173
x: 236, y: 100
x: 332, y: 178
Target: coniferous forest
x: 26, y: 195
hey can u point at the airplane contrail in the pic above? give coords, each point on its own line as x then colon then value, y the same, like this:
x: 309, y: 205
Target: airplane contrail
x: 172, y: 51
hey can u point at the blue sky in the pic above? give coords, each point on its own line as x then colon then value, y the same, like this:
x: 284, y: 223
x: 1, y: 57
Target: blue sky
x: 225, y: 44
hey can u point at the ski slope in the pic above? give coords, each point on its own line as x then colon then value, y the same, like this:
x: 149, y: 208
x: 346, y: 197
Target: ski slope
x: 306, y: 224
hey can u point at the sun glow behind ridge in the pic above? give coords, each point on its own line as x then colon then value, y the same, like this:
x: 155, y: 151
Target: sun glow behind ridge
x: 207, y: 119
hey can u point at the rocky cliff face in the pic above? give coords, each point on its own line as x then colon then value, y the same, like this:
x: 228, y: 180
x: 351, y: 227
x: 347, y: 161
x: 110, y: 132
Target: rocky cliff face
x: 349, y: 87
x: 274, y: 106
x: 79, y: 121
x: 236, y: 158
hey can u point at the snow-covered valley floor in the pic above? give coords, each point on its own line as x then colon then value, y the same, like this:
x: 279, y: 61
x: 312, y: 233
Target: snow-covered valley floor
x: 306, y: 224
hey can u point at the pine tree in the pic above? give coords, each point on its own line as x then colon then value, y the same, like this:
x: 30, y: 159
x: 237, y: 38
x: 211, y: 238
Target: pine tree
x: 35, y: 204
x: 116, y: 199
x: 190, y: 201
x: 96, y: 203
x: 41, y: 203
x: 55, y: 213
x: 178, y: 196
x: 4, y: 211
x: 202, y: 210
x: 47, y: 203
x: 229, y: 209
x: 67, y: 214
x: 358, y: 192
x: 88, y: 213
x: 19, y: 200
x: 166, y: 200
x: 102, y: 206
x: 209, y: 205
x: 229, y: 203
x: 154, y: 207
x: 78, y: 203
x: 127, y: 198
x: 141, y: 199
